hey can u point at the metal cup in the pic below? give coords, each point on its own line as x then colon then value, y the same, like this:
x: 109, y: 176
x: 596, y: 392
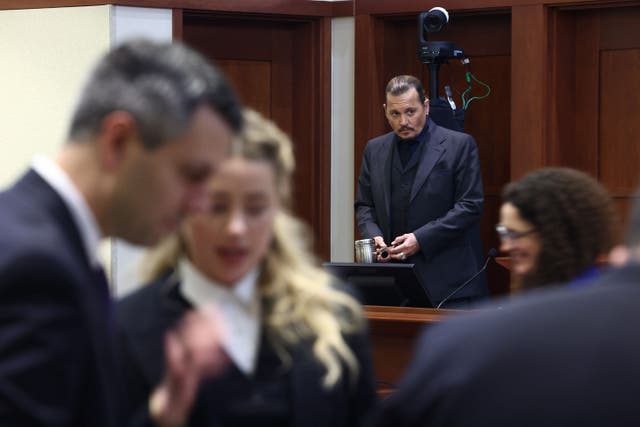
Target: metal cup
x: 365, y: 251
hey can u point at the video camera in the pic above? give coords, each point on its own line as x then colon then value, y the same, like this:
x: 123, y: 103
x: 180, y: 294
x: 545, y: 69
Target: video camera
x: 435, y: 51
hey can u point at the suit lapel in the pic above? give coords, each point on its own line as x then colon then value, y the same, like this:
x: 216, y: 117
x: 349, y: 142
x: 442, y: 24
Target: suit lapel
x: 430, y: 156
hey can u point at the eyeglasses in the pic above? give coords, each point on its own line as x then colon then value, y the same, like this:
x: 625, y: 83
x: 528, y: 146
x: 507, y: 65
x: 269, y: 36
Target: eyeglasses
x: 505, y: 234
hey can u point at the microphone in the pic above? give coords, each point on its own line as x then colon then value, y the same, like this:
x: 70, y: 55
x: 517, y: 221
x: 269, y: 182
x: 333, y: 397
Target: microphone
x: 490, y: 255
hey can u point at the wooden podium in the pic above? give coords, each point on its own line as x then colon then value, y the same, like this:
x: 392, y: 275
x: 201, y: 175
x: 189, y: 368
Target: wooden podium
x: 393, y: 331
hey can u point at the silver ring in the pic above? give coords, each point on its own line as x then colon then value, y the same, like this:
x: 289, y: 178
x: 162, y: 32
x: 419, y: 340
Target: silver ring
x: 402, y: 255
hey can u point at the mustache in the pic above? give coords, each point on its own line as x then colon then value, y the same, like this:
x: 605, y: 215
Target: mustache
x: 405, y: 128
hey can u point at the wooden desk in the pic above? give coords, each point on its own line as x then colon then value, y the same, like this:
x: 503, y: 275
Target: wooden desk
x: 393, y: 331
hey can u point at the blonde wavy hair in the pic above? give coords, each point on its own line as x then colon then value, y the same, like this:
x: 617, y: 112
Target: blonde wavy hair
x: 302, y: 304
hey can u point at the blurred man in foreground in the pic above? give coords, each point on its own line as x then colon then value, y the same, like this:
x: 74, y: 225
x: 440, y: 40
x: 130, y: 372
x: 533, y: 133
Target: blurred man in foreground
x: 150, y: 126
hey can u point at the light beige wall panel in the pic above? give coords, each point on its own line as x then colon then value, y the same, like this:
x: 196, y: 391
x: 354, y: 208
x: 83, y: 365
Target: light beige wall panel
x: 45, y: 55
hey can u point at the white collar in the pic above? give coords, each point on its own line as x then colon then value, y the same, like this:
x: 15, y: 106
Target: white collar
x: 82, y: 215
x: 238, y: 306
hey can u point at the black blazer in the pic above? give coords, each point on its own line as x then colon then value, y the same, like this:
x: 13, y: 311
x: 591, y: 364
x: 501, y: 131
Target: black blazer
x: 57, y: 365
x: 145, y: 316
x: 444, y: 212
x: 560, y: 357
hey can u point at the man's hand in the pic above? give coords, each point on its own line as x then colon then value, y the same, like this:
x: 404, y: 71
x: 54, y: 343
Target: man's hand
x: 192, y: 352
x: 381, y: 249
x: 404, y: 246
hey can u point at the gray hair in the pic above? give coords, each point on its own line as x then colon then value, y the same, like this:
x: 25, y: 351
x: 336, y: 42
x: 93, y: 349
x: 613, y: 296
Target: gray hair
x: 160, y: 85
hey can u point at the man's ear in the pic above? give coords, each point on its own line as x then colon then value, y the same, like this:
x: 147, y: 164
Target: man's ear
x: 117, y: 132
x: 384, y: 107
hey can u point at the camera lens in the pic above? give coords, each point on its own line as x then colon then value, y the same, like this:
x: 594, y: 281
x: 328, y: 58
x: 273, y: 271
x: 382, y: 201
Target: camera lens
x: 434, y: 21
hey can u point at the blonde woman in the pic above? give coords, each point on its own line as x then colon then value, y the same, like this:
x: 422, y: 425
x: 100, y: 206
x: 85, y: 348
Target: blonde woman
x: 296, y: 341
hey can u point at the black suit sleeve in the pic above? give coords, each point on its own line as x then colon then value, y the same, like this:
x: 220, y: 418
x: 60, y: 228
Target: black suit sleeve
x: 43, y: 343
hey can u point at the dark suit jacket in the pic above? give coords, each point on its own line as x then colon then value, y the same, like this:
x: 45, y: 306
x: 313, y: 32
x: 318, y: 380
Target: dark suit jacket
x: 145, y: 316
x: 444, y: 212
x: 560, y: 357
x: 56, y: 357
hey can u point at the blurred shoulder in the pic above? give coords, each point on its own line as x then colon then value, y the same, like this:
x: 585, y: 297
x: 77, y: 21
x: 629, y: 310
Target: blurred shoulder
x: 146, y: 299
x: 551, y: 313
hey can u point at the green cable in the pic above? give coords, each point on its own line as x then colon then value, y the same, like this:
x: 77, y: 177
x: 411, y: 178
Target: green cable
x: 465, y: 102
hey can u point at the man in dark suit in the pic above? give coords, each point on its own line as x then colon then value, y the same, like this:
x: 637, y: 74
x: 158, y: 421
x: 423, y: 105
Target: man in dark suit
x: 150, y: 126
x: 557, y: 357
x: 420, y: 190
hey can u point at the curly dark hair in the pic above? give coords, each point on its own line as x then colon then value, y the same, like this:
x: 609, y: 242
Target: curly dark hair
x: 573, y: 215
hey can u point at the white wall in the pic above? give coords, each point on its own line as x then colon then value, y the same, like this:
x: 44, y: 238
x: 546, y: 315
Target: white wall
x: 45, y: 55
x: 342, y: 131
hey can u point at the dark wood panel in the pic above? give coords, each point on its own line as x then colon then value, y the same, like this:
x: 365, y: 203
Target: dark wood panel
x: 312, y: 79
x: 177, y: 19
x: 283, y: 7
x: 562, y: 40
x: 378, y: 7
x: 623, y: 207
x: 582, y: 152
x: 572, y: 131
x: 619, y: 28
x: 480, y: 34
x: 252, y: 82
x: 369, y: 84
x: 529, y: 88
x: 619, y: 127
x: 489, y: 120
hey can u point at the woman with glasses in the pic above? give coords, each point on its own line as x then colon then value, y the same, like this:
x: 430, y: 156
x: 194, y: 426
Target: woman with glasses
x: 554, y: 224
x: 296, y: 341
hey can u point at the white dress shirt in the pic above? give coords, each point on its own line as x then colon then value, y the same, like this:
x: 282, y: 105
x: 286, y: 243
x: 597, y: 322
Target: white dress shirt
x: 237, y: 305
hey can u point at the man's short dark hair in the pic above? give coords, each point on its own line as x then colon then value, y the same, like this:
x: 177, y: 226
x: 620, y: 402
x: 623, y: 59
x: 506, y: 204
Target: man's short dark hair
x: 160, y: 85
x: 402, y: 84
